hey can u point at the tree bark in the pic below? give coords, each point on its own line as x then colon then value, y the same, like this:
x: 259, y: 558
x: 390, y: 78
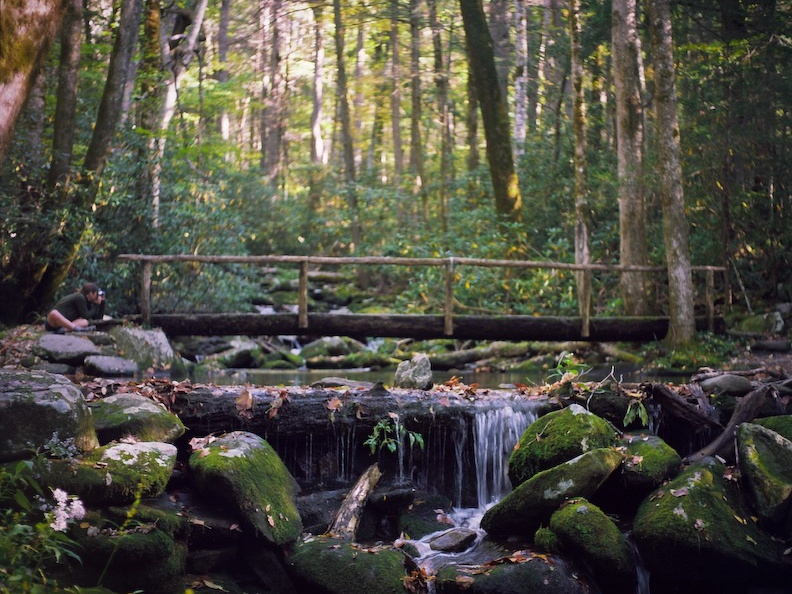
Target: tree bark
x: 629, y: 151
x: 582, y: 253
x: 441, y: 82
x: 416, y: 135
x: 398, y: 151
x: 347, y: 518
x: 675, y: 226
x: 506, y: 190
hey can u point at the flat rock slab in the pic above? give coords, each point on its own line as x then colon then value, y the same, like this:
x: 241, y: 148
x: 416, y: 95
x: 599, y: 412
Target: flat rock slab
x: 110, y: 366
x: 65, y: 348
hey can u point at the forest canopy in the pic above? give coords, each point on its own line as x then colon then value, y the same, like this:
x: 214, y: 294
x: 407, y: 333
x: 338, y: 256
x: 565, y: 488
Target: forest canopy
x: 355, y: 128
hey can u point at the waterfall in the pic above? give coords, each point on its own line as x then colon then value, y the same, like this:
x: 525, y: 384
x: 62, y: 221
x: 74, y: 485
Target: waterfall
x: 495, y: 433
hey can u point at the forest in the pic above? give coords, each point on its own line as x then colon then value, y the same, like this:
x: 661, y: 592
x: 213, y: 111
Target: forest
x: 652, y: 133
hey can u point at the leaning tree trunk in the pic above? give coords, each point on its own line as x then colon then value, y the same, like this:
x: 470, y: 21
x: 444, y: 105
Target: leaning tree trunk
x: 629, y: 145
x: 682, y: 327
x: 497, y: 131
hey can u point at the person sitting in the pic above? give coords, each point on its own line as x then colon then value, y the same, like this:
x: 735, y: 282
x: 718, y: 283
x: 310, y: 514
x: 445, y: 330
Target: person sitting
x: 73, y: 312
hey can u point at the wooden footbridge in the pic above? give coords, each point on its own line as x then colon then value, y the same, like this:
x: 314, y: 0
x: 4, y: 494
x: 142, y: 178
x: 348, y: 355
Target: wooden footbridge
x: 445, y: 325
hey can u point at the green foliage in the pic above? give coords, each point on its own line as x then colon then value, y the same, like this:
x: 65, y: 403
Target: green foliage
x: 568, y: 367
x: 708, y: 350
x: 33, y: 533
x: 636, y: 410
x: 390, y: 434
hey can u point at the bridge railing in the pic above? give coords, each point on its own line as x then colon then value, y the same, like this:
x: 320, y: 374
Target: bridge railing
x: 451, y: 265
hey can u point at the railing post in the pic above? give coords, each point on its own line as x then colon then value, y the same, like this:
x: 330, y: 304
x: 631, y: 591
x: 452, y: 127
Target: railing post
x: 710, y: 297
x: 302, y: 296
x: 145, y: 293
x: 448, y: 304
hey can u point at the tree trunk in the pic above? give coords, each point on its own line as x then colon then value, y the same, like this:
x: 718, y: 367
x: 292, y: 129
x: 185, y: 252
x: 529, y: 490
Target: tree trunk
x: 346, y: 125
x: 582, y: 253
x: 317, y: 142
x: 274, y: 96
x: 629, y: 144
x: 521, y: 78
x: 398, y: 152
x: 66, y: 105
x: 506, y: 190
x: 443, y: 111
x: 347, y: 518
x: 500, y: 28
x: 675, y: 226
x: 416, y: 137
x: 26, y: 32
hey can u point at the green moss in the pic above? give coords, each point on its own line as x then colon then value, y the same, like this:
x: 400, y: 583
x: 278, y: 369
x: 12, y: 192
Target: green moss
x: 546, y: 540
x: 242, y: 470
x: 131, y: 548
x: 648, y: 460
x: 583, y: 528
x: 557, y: 437
x: 118, y: 416
x: 781, y: 424
x: 336, y: 566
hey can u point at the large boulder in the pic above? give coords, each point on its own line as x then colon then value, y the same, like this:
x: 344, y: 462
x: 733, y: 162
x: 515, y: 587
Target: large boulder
x: 121, y: 415
x: 241, y: 471
x: 557, y: 437
x: 532, y: 503
x: 765, y: 460
x: 109, y: 366
x: 38, y: 408
x: 114, y: 474
x: 65, y: 348
x: 149, y: 348
x: 694, y: 531
x: 585, y: 532
x: 334, y: 566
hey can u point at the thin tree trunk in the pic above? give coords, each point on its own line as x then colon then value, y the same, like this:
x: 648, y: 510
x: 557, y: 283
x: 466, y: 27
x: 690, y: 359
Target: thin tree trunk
x: 398, y: 151
x: 473, y: 157
x: 317, y: 142
x: 224, y: 122
x: 494, y: 114
x: 582, y: 254
x: 629, y: 145
x: 499, y: 26
x: 521, y: 78
x: 274, y: 99
x: 441, y: 82
x: 416, y: 137
x: 682, y: 326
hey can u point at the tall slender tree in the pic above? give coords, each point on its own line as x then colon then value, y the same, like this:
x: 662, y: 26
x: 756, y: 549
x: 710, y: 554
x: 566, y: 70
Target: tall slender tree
x: 682, y: 327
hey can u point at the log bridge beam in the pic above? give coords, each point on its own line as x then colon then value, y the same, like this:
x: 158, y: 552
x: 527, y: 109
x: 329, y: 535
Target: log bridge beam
x: 416, y: 326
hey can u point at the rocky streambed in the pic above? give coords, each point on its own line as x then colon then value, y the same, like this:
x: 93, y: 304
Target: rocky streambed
x: 343, y: 487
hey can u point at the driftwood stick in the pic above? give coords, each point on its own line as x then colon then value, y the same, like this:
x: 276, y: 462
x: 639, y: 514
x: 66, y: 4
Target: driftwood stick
x: 678, y: 407
x: 745, y: 411
x: 347, y: 518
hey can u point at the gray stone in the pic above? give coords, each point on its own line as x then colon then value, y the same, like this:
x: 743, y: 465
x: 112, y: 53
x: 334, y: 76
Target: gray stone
x: 121, y: 415
x: 109, y: 366
x: 454, y: 540
x: 35, y: 407
x: 415, y: 373
x: 736, y: 385
x: 150, y: 348
x: 765, y: 460
x: 65, y: 348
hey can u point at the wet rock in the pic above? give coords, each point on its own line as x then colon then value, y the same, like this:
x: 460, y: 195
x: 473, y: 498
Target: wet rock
x: 586, y: 533
x: 694, y: 531
x: 557, y: 437
x: 242, y: 472
x: 149, y: 348
x: 453, y: 540
x: 121, y: 415
x: 727, y: 383
x: 109, y: 366
x: 38, y: 407
x: 765, y: 460
x: 523, y: 510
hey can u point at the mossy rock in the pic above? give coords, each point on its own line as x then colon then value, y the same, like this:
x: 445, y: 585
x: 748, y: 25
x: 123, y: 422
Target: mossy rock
x: 532, y: 503
x: 120, y: 415
x: 557, y: 437
x: 527, y: 575
x: 693, y: 530
x: 781, y: 424
x: 422, y: 517
x: 241, y: 472
x: 585, y: 532
x: 113, y: 474
x: 765, y: 461
x: 333, y: 566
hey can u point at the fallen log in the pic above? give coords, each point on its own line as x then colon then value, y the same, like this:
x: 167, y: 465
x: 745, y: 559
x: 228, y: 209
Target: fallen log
x: 518, y: 327
x: 347, y: 518
x: 676, y: 406
x: 745, y: 411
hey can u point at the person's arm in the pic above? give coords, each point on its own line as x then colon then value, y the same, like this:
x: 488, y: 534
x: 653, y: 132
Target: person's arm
x: 96, y: 312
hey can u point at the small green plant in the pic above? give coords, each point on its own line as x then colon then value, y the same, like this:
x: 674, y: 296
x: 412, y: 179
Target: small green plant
x: 636, y: 410
x: 390, y: 434
x: 567, y: 368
